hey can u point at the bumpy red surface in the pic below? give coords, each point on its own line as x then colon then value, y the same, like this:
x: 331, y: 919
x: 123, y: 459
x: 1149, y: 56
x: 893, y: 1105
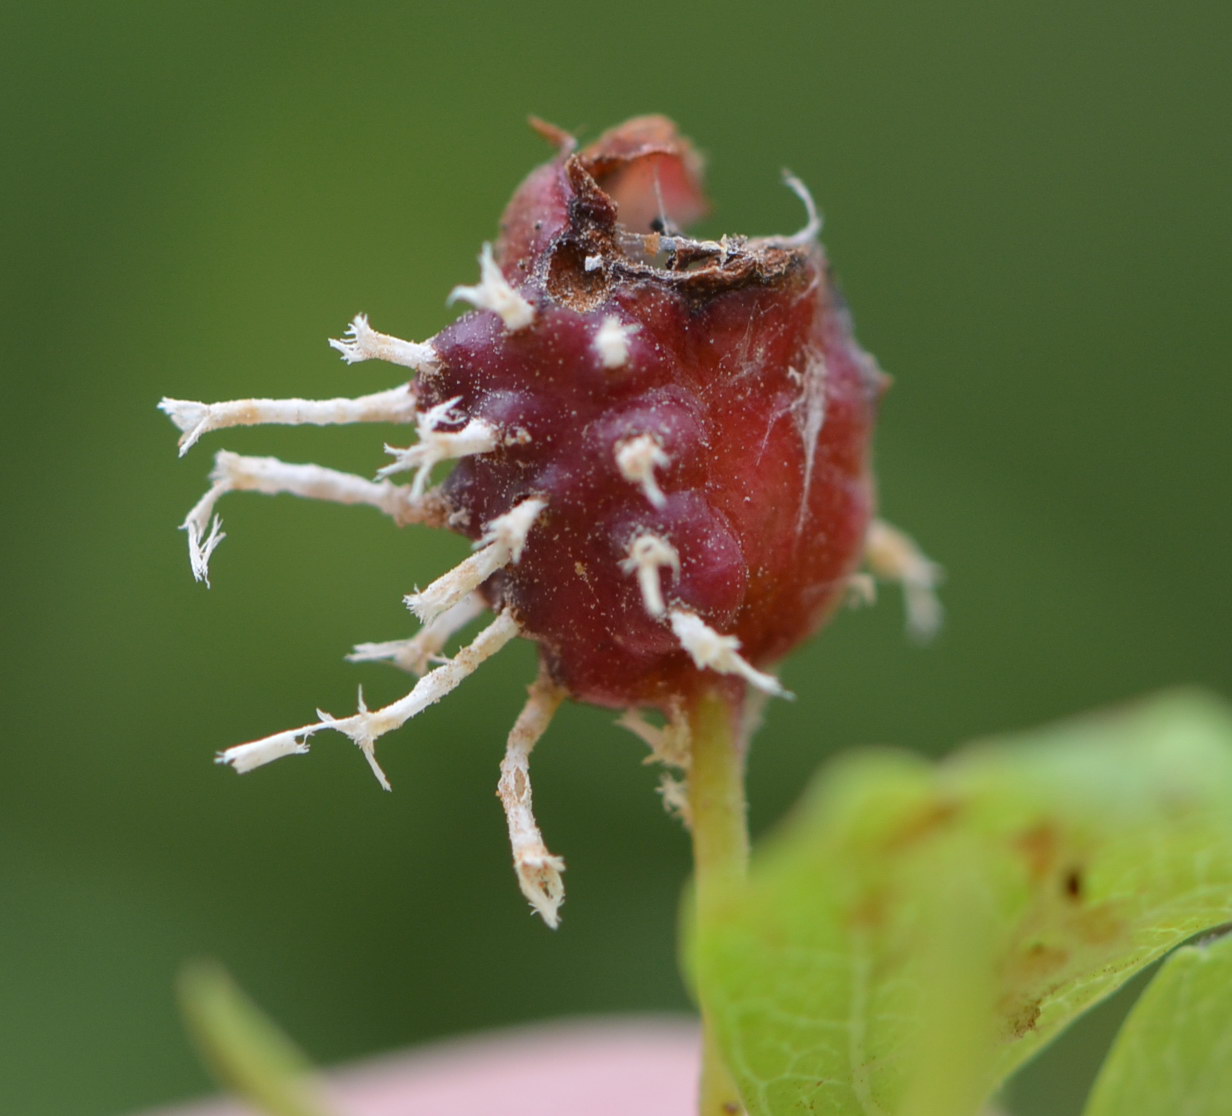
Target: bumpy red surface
x: 745, y: 370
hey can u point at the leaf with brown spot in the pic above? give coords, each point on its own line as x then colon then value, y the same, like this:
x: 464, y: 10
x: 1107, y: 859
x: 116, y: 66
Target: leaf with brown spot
x: 917, y: 931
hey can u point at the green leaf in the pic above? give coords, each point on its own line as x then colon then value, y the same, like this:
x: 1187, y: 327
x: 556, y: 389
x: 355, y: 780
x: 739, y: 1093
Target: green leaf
x: 243, y: 1048
x: 918, y: 930
x: 1173, y: 1056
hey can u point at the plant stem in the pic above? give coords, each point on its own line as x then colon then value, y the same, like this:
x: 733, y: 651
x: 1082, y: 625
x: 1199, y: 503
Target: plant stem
x: 720, y: 855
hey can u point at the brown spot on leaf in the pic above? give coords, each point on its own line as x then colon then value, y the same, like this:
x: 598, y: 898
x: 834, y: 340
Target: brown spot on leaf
x: 869, y: 911
x: 1100, y: 925
x: 1040, y: 847
x: 923, y: 824
x: 1039, y: 961
x: 1024, y: 1018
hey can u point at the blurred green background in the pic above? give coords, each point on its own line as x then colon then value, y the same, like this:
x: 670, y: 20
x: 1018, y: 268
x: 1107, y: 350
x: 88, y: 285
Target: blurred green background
x: 1028, y: 207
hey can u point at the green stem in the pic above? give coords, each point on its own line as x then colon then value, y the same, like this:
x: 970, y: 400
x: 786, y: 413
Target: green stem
x: 720, y: 855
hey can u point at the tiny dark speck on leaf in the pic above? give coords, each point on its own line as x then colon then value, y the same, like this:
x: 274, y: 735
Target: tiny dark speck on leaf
x: 1072, y: 884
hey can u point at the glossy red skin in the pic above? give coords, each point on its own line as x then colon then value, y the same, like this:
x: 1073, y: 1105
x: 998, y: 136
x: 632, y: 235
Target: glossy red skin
x: 718, y: 372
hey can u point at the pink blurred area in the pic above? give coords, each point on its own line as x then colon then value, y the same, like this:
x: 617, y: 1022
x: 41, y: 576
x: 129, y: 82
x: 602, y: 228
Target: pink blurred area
x: 574, y: 1067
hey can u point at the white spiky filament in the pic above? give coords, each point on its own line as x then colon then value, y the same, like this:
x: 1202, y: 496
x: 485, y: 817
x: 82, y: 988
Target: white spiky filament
x: 810, y: 415
x: 538, y: 870
x: 366, y: 726
x: 669, y: 743
x: 712, y: 651
x: 195, y: 419
x: 361, y: 342
x: 648, y: 555
x: 502, y: 544
x: 204, y: 533
x: 637, y: 458
x: 611, y: 341
x: 812, y: 228
x: 235, y: 472
x: 494, y: 293
x: 895, y: 556
x: 674, y: 794
x: 425, y: 646
x: 861, y: 589
x: 257, y: 753
x: 435, y: 445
